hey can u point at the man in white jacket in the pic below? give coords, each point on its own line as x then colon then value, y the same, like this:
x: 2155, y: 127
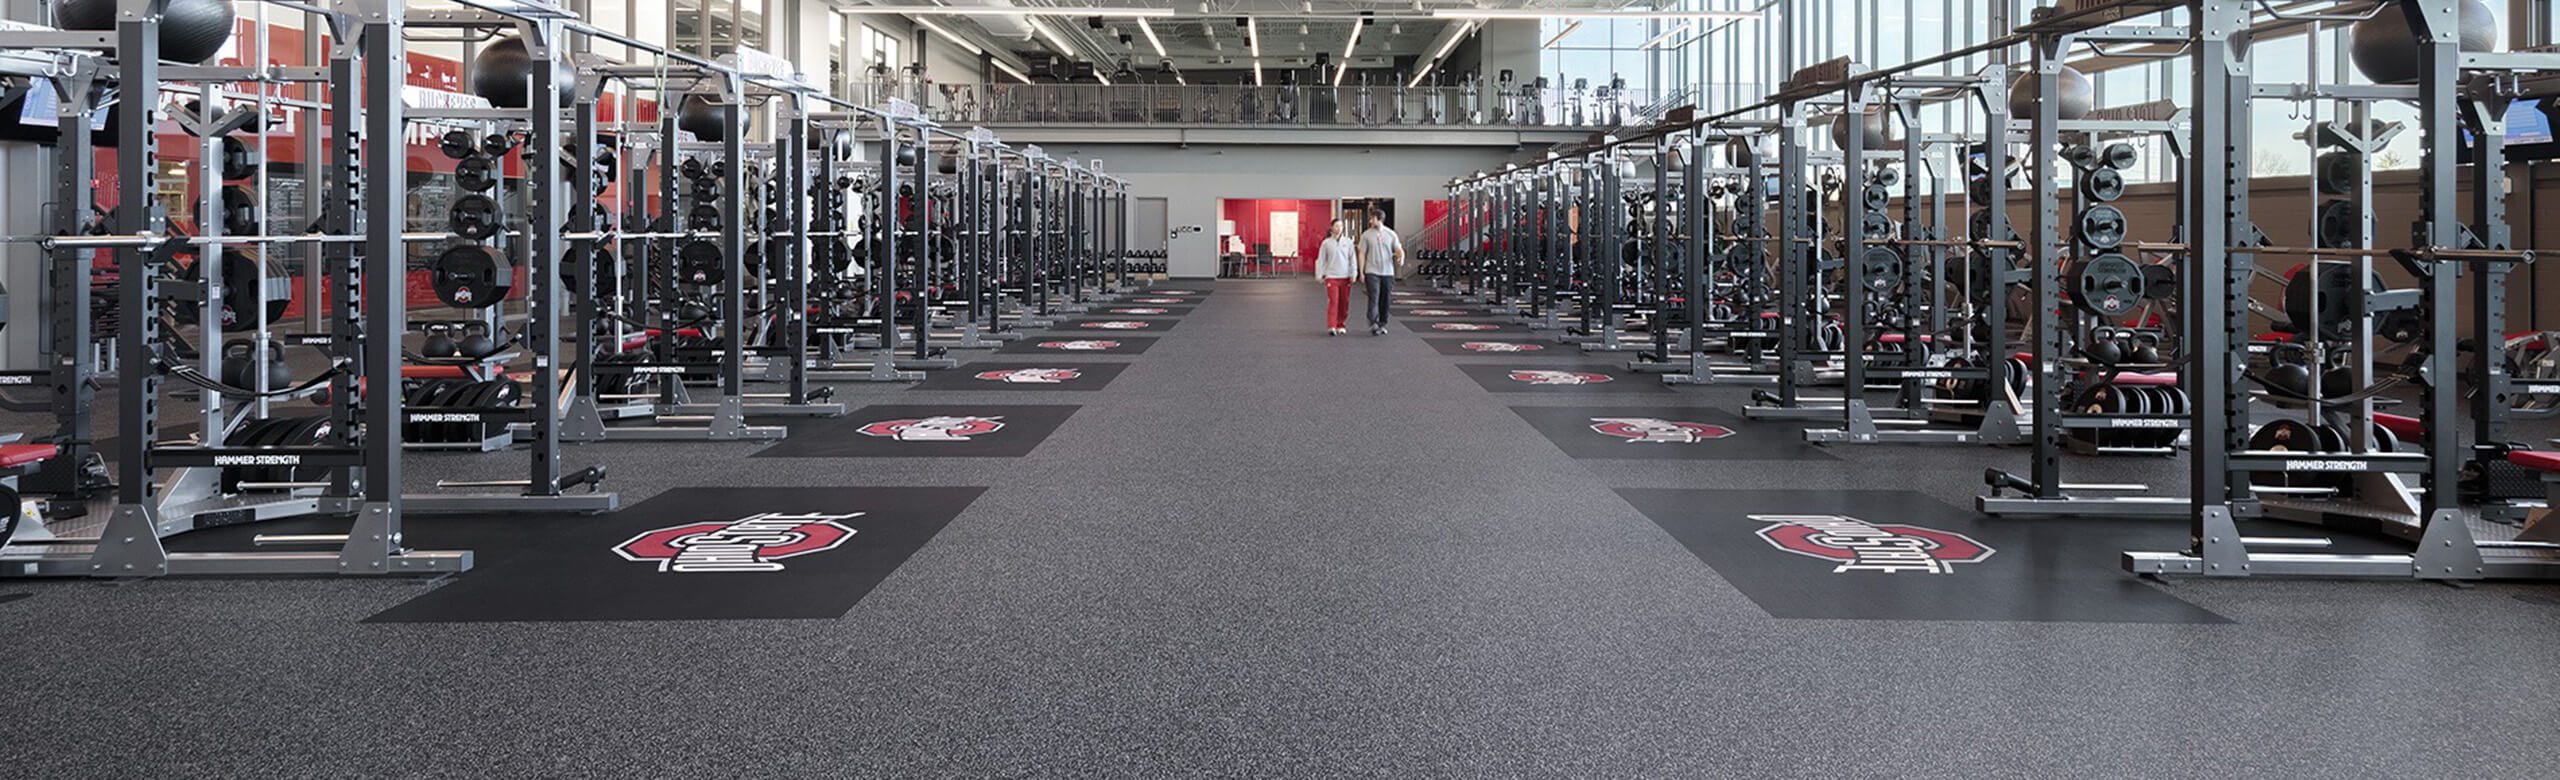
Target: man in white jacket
x: 1335, y: 265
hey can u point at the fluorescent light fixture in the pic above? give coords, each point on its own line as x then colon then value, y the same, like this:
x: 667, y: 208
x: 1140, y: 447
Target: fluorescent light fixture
x: 1253, y: 42
x: 1347, y: 45
x: 964, y: 10
x: 946, y: 34
x: 1452, y: 43
x: 1097, y: 76
x: 1257, y: 71
x: 1657, y: 40
x: 1487, y: 13
x: 1054, y: 41
x: 1008, y: 69
x: 1560, y: 34
x: 1142, y: 27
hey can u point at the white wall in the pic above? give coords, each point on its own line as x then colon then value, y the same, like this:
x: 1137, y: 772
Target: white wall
x: 1507, y: 44
x: 1193, y: 180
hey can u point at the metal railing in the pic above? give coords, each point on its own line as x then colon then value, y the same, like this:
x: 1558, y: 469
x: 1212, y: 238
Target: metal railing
x: 1286, y: 106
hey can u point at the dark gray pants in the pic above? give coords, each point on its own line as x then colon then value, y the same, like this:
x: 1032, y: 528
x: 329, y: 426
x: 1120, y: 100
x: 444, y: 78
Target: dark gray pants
x: 1381, y: 290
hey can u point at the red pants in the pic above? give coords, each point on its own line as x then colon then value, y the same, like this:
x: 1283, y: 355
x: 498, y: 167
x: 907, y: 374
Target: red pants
x: 1337, y: 302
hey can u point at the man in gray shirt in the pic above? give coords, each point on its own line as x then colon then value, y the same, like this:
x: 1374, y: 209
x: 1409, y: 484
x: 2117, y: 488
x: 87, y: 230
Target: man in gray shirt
x: 1381, y: 255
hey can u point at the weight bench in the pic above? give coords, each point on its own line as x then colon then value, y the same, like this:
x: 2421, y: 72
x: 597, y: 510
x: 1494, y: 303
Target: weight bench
x: 18, y: 460
x: 2539, y: 527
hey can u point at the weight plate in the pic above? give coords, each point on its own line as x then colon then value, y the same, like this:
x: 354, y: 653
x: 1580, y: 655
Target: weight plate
x: 476, y: 173
x: 2118, y: 156
x: 2101, y: 227
x: 470, y: 276
x: 2107, y: 285
x: 700, y: 262
x: 2102, y: 185
x: 475, y: 217
x: 457, y: 144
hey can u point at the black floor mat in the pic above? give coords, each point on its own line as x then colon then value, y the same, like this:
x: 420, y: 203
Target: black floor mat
x: 1898, y: 555
x: 1667, y: 433
x: 993, y: 375
x: 1513, y: 346
x: 924, y: 431
x: 1461, y: 327
x: 1586, y: 378
x: 1078, y: 344
x: 1141, y: 310
x: 716, y: 553
x: 1115, y: 325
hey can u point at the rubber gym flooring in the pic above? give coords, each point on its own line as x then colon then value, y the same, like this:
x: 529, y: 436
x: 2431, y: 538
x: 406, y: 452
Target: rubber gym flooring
x: 1262, y: 551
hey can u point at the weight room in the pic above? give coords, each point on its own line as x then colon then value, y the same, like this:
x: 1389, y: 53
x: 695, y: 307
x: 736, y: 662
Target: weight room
x: 971, y: 387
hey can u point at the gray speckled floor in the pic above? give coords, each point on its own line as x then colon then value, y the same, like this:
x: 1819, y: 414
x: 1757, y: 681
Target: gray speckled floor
x: 1265, y: 552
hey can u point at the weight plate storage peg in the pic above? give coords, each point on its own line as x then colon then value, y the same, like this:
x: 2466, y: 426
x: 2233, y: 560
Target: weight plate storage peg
x: 2107, y: 285
x: 471, y: 276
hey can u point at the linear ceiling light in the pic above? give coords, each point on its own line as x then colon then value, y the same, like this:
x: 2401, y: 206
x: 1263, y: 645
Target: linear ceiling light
x: 1347, y: 45
x: 946, y: 34
x: 1054, y: 40
x: 1151, y: 37
x: 1253, y: 39
x: 1428, y: 64
x: 1657, y: 40
x: 1560, y: 34
x: 1008, y: 69
x: 962, y: 10
x: 1480, y: 13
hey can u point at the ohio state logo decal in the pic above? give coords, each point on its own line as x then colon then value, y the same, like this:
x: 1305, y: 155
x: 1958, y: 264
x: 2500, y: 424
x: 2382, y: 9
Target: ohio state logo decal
x: 1116, y: 325
x: 1139, y: 311
x: 1546, y: 377
x: 934, y: 428
x: 1155, y: 300
x: 1852, y: 544
x: 1468, y: 327
x: 1437, y: 313
x: 753, y: 543
x: 1080, y: 345
x: 1031, y: 376
x: 1655, y: 430
x: 1500, y: 346
x: 1177, y: 292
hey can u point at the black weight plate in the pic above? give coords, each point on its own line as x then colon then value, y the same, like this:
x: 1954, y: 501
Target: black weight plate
x: 236, y: 162
x: 2101, y: 227
x: 2159, y: 281
x: 701, y: 262
x: 703, y: 217
x: 457, y: 144
x: 2118, y: 156
x: 496, y: 144
x: 2102, y: 185
x: 475, y: 217
x: 470, y: 276
x: 476, y: 173
x: 239, y: 211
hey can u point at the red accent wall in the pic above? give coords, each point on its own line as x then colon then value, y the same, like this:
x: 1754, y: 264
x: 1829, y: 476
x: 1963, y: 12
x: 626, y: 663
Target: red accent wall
x: 1432, y: 211
x: 1252, y: 218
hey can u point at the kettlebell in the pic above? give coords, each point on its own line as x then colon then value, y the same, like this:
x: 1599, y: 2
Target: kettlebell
x: 239, y: 369
x: 476, y: 342
x: 2105, y: 352
x: 2147, y: 354
x: 2291, y: 379
x: 440, y: 343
